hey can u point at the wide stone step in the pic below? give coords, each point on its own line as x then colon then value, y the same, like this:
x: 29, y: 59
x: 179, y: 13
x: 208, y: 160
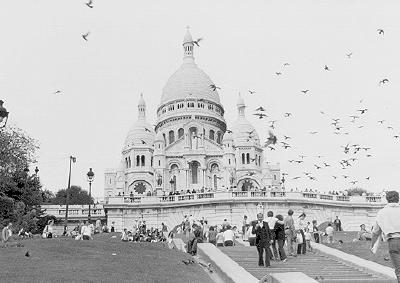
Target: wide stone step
x: 315, y: 265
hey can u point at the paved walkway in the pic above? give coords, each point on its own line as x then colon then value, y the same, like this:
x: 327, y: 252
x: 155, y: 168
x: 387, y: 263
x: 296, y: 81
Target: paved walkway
x: 314, y: 265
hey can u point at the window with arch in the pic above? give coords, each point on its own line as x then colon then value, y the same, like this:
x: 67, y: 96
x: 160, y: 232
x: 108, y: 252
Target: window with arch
x: 143, y: 160
x: 181, y: 132
x: 151, y: 161
x: 259, y: 160
x: 248, y: 158
x: 137, y: 160
x: 126, y: 162
x: 229, y: 161
x: 211, y: 136
x: 159, y: 162
x: 243, y: 158
x: 219, y: 137
x: 274, y: 177
x: 171, y: 137
x: 129, y: 162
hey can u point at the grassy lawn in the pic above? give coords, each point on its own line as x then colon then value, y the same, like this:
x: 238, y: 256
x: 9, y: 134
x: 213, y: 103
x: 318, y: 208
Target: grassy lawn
x: 360, y: 248
x: 67, y: 260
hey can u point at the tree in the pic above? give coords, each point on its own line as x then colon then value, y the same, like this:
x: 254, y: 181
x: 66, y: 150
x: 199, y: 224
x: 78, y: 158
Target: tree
x: 20, y: 193
x: 76, y: 196
x: 357, y: 191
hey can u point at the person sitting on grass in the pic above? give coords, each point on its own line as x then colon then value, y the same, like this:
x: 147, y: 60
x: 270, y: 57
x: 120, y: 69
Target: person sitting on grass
x: 124, y: 235
x: 6, y: 233
x: 86, y: 232
x: 48, y: 230
x: 363, y: 234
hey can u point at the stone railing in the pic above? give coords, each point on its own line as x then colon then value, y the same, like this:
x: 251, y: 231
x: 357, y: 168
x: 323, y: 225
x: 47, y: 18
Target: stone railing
x: 222, y: 196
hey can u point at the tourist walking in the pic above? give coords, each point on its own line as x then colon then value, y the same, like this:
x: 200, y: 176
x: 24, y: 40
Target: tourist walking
x: 329, y: 233
x: 279, y: 231
x: 315, y: 231
x: 263, y: 239
x: 245, y: 225
x: 290, y: 232
x: 388, y: 225
x: 271, y: 220
x: 338, y: 224
x: 302, y: 225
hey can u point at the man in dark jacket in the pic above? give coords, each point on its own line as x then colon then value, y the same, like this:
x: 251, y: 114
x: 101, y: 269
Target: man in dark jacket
x: 263, y: 239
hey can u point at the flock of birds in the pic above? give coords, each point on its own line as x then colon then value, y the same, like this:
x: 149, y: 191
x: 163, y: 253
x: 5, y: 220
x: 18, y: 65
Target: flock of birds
x: 353, y: 152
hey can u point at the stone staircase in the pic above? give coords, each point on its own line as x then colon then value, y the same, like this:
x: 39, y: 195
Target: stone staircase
x: 316, y: 265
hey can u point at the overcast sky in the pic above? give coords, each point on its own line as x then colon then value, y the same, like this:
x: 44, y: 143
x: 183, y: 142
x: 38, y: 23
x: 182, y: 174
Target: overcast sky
x: 134, y: 46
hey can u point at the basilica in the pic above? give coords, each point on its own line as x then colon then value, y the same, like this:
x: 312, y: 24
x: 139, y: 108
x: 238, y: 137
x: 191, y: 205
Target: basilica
x: 190, y: 147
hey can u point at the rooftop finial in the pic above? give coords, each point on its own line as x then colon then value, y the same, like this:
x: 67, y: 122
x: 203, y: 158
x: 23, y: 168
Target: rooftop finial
x: 188, y: 45
x: 142, y: 107
x: 240, y: 105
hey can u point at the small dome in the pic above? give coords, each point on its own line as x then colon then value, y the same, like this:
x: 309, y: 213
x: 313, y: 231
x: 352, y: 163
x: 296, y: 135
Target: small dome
x: 244, y: 132
x: 228, y: 136
x: 140, y: 131
x: 189, y: 81
x: 159, y: 137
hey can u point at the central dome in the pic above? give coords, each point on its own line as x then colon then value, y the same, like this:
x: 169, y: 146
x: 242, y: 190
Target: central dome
x: 189, y: 81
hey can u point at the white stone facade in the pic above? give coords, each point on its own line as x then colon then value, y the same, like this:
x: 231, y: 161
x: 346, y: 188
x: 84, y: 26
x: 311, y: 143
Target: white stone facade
x: 190, y: 146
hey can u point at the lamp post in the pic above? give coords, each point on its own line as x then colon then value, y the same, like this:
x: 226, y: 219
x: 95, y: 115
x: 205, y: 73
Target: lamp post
x: 3, y: 115
x: 71, y: 159
x: 90, y: 178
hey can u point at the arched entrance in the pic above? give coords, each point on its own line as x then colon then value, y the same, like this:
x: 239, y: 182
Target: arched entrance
x: 194, y: 172
x: 247, y: 184
x: 173, y: 179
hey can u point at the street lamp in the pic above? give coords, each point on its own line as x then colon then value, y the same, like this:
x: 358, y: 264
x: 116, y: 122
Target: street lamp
x: 71, y: 159
x: 90, y: 178
x: 3, y: 114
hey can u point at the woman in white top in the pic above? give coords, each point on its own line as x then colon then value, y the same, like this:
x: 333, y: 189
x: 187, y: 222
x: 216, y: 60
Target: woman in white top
x: 220, y: 238
x: 86, y: 232
x: 229, y: 235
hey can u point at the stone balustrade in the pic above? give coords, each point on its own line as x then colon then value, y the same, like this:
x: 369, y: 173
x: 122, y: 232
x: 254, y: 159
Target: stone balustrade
x: 248, y: 195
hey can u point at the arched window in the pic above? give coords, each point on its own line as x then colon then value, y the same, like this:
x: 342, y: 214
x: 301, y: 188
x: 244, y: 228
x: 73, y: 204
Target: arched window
x: 259, y: 160
x: 219, y: 137
x: 159, y: 162
x: 165, y: 140
x: 126, y: 162
x: 248, y: 158
x: 137, y: 160
x: 243, y: 157
x: 211, y: 136
x: 151, y: 161
x: 129, y: 162
x: 171, y: 136
x: 180, y: 133
x: 229, y: 161
x: 194, y: 167
x: 143, y: 161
